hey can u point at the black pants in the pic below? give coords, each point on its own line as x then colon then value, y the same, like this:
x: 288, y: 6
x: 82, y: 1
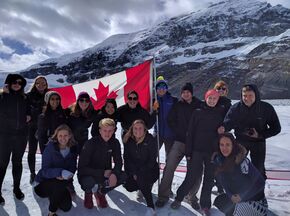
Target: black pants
x: 57, y: 193
x: 257, y: 151
x: 194, y: 173
x: 12, y: 145
x: 143, y: 185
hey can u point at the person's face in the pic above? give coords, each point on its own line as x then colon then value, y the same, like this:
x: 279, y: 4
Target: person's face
x: 84, y: 103
x: 16, y: 85
x: 40, y: 84
x: 222, y: 90
x: 107, y: 132
x: 132, y: 101
x: 248, y: 98
x: 226, y: 146
x: 110, y: 108
x: 63, y: 137
x: 161, y: 90
x: 138, y: 130
x: 54, y: 101
x: 212, y: 100
x: 186, y: 95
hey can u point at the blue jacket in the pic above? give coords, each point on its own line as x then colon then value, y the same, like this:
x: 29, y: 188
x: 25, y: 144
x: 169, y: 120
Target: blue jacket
x: 165, y: 104
x: 53, y: 162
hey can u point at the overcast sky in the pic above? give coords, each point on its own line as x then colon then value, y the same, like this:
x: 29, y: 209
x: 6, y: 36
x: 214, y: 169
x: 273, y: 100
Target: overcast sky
x: 34, y: 30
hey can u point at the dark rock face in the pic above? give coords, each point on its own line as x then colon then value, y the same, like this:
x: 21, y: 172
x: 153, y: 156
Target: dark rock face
x: 239, y: 41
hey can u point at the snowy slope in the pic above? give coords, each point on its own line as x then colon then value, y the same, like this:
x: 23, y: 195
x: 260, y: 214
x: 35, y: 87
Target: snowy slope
x: 123, y: 203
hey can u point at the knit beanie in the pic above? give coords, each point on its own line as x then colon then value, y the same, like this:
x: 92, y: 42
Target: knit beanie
x: 83, y: 94
x: 161, y: 82
x: 211, y: 92
x: 48, y: 95
x: 188, y: 87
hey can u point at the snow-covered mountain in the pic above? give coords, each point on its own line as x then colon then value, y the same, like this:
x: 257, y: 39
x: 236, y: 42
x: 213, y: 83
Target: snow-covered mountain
x: 236, y: 40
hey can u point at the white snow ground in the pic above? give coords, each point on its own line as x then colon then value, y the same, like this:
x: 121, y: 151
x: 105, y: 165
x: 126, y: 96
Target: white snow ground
x: 122, y: 202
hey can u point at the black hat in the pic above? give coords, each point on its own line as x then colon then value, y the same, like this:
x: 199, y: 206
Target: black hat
x: 13, y: 77
x: 188, y: 87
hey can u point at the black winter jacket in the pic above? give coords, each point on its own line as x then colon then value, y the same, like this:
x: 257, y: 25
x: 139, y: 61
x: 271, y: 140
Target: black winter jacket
x: 96, y: 157
x: 179, y: 116
x: 36, y: 103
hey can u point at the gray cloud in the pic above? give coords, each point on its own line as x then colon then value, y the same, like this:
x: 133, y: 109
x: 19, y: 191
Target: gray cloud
x: 55, y: 27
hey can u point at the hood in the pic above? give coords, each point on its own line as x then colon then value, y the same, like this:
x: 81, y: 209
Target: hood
x: 254, y: 88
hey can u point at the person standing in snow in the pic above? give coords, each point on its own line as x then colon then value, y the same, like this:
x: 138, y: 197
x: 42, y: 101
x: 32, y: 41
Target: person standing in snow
x: 95, y: 172
x: 243, y: 183
x: 58, y: 166
x: 162, y: 106
x: 178, y: 121
x: 14, y: 115
x: 201, y: 142
x: 52, y: 116
x: 140, y: 161
x: 253, y: 121
x: 36, y: 102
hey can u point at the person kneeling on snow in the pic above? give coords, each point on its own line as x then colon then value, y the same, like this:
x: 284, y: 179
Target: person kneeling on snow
x: 95, y: 173
x: 243, y: 183
x: 59, y: 163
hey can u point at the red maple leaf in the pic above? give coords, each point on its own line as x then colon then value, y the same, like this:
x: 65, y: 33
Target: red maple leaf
x: 102, y: 93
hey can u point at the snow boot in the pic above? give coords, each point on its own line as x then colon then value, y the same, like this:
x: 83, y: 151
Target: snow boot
x: 88, y: 202
x: 101, y: 199
x: 18, y: 194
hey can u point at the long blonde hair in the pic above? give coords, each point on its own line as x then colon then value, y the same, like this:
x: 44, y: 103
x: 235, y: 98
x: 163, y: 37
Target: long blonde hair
x: 130, y: 134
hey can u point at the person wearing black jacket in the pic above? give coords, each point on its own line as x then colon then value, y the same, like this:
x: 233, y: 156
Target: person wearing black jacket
x: 52, y: 116
x: 36, y: 102
x: 140, y: 161
x: 132, y: 111
x: 201, y: 142
x: 253, y: 121
x: 95, y: 173
x: 14, y: 115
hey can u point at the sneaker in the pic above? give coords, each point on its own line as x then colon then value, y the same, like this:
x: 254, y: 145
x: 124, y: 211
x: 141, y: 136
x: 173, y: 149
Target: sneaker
x: 2, y: 200
x: 150, y: 212
x: 101, y: 200
x: 139, y: 196
x: 176, y: 204
x: 18, y: 194
x: 195, y: 205
x: 88, y: 202
x: 160, y: 202
x: 205, y: 212
x: 32, y: 177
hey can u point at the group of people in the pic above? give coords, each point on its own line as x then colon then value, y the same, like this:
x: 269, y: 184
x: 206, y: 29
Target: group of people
x: 188, y: 127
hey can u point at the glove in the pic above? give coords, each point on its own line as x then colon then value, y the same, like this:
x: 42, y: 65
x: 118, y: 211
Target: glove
x: 66, y: 174
x: 155, y: 105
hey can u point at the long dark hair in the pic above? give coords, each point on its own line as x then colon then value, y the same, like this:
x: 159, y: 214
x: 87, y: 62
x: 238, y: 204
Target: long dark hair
x: 76, y: 110
x: 33, y: 87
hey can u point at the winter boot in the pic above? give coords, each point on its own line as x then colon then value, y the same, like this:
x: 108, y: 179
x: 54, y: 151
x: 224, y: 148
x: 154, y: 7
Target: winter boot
x: 195, y: 205
x: 150, y: 212
x: 176, y: 204
x: 101, y: 199
x: 88, y: 202
x: 2, y: 200
x: 18, y: 194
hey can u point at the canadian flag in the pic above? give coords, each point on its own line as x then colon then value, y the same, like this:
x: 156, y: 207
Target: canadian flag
x: 138, y: 78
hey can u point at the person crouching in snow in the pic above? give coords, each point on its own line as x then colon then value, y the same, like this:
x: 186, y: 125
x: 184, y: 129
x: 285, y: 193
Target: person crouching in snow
x: 59, y: 163
x: 95, y: 173
x: 243, y: 183
x: 140, y: 153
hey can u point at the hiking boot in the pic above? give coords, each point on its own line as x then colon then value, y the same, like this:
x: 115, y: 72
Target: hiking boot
x: 88, y: 202
x: 150, y: 212
x: 160, y: 202
x: 195, y: 205
x: 32, y: 177
x: 139, y: 196
x: 176, y: 204
x: 2, y: 200
x: 101, y: 200
x: 205, y: 212
x: 18, y: 194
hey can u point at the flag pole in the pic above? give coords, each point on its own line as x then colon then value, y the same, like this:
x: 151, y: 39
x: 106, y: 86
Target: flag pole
x: 157, y: 119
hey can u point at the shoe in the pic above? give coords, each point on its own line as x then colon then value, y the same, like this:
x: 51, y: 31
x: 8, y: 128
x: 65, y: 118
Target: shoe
x: 160, y: 203
x: 139, y: 196
x: 101, y: 200
x: 150, y: 212
x: 176, y: 204
x: 88, y: 202
x: 195, y: 205
x: 32, y: 177
x: 18, y: 194
x: 2, y: 200
x: 205, y: 212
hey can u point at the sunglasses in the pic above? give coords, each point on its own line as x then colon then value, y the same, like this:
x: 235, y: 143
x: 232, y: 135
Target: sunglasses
x: 17, y: 82
x: 221, y: 88
x: 133, y: 98
x: 84, y: 100
x: 162, y: 87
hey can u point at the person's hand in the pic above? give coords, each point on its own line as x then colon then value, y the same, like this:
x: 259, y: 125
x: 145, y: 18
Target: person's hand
x: 28, y: 118
x: 112, y: 180
x: 221, y: 130
x: 5, y: 88
x: 107, y: 173
x: 155, y: 105
x: 60, y: 178
x: 135, y: 177
x: 253, y: 133
x: 236, y: 198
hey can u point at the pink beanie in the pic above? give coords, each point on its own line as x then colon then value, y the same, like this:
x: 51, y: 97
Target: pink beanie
x: 211, y: 92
